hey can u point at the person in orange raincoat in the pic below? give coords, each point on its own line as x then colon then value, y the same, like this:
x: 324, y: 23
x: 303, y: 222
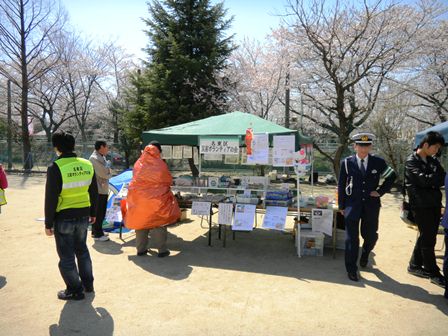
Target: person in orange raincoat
x: 150, y: 203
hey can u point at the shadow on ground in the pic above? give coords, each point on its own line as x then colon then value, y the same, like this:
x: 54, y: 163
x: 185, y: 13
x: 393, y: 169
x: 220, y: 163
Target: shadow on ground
x: 272, y: 253
x: 81, y: 318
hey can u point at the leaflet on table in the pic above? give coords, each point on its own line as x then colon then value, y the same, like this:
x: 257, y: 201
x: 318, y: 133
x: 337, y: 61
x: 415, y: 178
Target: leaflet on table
x: 244, y: 217
x: 284, y: 146
x: 225, y: 213
x: 275, y: 218
x: 260, y: 149
x: 322, y: 221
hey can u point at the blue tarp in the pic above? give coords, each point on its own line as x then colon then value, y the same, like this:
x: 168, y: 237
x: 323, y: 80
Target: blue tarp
x: 441, y: 128
x: 117, y: 182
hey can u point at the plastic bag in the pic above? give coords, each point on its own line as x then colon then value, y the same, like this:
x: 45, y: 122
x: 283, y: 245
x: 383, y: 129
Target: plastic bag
x: 406, y: 213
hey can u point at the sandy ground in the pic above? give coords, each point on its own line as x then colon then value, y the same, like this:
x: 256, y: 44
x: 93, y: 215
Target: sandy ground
x: 254, y: 286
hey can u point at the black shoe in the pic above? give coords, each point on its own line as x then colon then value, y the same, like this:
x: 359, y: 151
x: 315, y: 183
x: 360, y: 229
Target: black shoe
x: 438, y: 280
x: 353, y: 276
x: 142, y: 253
x: 66, y: 295
x: 88, y: 289
x: 164, y: 254
x: 419, y: 271
x: 363, y: 261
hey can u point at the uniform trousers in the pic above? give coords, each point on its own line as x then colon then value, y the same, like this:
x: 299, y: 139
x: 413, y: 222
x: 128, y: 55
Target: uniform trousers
x: 369, y: 232
x: 158, y: 236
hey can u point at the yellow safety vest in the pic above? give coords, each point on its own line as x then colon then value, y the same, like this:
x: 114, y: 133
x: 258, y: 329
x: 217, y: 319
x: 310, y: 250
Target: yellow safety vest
x: 77, y: 176
x: 2, y: 197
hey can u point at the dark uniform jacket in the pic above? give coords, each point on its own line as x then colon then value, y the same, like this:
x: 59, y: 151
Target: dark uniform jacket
x: 423, y: 181
x: 53, y: 188
x: 354, y: 189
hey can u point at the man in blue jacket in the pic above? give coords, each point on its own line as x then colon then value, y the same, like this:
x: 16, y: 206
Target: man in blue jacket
x: 359, y: 193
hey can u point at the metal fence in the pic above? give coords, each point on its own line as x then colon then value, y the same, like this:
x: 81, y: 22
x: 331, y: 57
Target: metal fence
x: 42, y: 154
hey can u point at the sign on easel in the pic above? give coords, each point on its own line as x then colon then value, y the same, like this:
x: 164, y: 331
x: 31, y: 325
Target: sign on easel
x: 225, y: 213
x: 200, y: 208
x: 244, y: 217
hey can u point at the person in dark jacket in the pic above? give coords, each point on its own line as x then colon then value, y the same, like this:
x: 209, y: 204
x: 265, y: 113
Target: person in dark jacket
x: 423, y: 178
x: 359, y: 193
x: 70, y: 204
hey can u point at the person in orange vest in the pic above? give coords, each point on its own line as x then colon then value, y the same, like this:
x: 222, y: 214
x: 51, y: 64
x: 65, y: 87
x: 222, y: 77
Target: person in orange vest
x: 150, y: 203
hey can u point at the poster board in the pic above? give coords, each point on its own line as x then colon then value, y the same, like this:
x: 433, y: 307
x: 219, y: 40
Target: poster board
x: 260, y: 149
x: 225, y: 213
x: 167, y: 152
x: 244, y: 217
x: 275, y: 218
x: 283, y: 151
x: 200, y: 208
x: 322, y: 221
x: 177, y: 152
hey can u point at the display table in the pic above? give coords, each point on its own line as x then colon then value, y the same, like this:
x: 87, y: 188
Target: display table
x: 260, y: 209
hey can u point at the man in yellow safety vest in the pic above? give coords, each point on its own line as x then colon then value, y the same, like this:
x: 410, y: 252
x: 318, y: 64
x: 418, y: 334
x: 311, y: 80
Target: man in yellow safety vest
x: 70, y: 204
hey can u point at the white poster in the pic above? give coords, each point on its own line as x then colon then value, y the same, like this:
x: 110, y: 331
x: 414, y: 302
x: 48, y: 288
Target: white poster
x: 225, y: 213
x: 167, y: 152
x: 195, y: 155
x: 284, y: 146
x: 227, y: 146
x: 113, y: 214
x: 187, y: 152
x: 260, y: 149
x: 322, y: 221
x: 200, y: 208
x: 177, y: 152
x: 244, y: 217
x: 275, y: 218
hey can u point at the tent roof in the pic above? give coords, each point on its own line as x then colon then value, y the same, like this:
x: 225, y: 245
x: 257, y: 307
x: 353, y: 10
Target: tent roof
x: 230, y: 124
x: 441, y: 128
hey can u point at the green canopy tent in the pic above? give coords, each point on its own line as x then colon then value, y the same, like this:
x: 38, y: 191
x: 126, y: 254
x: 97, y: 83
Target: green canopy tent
x: 230, y: 124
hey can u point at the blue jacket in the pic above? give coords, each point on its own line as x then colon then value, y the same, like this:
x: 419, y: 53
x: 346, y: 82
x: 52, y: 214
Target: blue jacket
x: 354, y: 189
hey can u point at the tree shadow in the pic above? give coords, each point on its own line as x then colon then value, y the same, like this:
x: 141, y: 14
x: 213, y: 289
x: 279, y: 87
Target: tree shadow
x: 3, y: 281
x: 407, y: 291
x: 81, y: 318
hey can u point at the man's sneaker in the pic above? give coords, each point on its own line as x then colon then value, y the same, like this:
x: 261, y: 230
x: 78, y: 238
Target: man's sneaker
x: 164, y: 254
x: 66, y: 295
x: 102, y: 238
x: 418, y: 271
x: 438, y: 280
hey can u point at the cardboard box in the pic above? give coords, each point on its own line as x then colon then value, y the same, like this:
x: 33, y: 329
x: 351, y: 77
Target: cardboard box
x: 312, y: 243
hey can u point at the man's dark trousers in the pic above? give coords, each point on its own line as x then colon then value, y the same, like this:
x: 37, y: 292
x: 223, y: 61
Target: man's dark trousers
x: 369, y: 228
x: 70, y: 235
x: 97, y: 227
x: 428, y: 221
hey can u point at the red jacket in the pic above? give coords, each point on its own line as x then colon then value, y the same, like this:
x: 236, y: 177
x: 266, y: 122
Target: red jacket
x: 3, y: 180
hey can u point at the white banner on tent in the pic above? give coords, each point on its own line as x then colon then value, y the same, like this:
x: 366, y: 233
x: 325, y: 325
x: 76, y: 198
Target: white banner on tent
x: 227, y: 146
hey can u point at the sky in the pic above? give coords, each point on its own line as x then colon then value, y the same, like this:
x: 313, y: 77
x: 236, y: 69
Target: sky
x: 120, y: 20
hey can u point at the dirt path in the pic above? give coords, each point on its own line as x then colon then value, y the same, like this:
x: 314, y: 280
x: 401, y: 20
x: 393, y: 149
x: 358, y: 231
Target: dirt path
x: 254, y: 286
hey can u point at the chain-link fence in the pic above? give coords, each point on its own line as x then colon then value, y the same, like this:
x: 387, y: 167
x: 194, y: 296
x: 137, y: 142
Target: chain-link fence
x: 43, y: 154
